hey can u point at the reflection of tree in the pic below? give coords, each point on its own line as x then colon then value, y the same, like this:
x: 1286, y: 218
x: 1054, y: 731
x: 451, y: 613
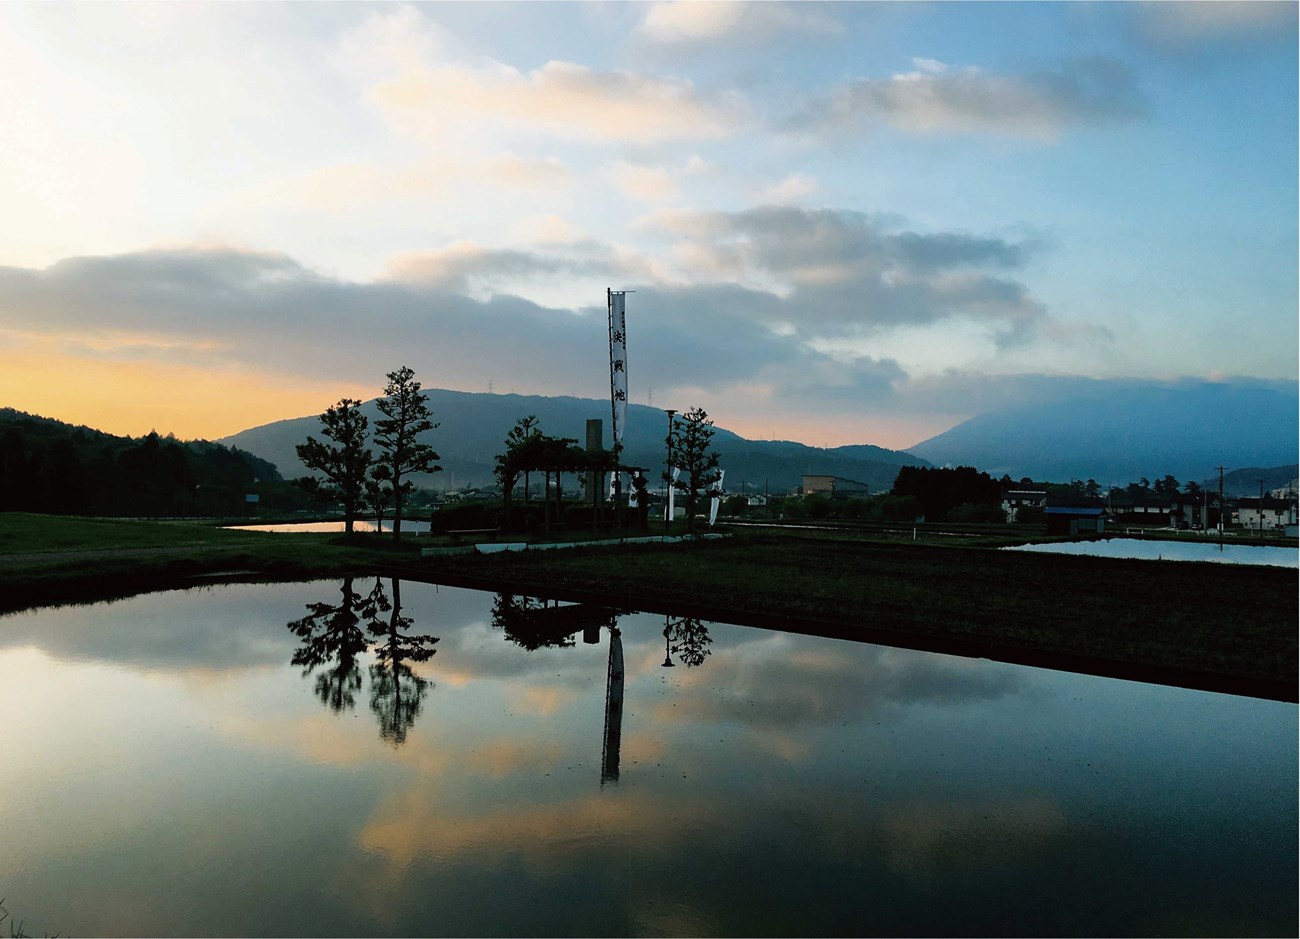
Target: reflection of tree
x: 333, y: 636
x: 526, y: 624
x: 396, y: 692
x: 689, y: 640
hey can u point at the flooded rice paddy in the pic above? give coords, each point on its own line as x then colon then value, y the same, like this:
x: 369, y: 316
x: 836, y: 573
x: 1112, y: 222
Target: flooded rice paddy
x: 370, y: 757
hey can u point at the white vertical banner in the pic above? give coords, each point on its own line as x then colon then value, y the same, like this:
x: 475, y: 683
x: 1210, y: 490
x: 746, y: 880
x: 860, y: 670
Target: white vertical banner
x: 670, y: 507
x: 618, y: 362
x: 717, y: 498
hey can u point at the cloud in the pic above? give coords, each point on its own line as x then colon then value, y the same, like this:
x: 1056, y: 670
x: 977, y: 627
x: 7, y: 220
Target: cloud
x: 562, y: 98
x: 1214, y: 22
x: 837, y: 273
x: 793, y: 188
x: 645, y: 183
x: 721, y: 20
x: 1039, y: 106
x: 356, y: 184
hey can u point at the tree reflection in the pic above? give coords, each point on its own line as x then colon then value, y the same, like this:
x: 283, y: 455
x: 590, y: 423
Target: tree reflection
x: 689, y: 640
x: 332, y: 638
x: 526, y: 623
x: 396, y: 692
x: 334, y: 635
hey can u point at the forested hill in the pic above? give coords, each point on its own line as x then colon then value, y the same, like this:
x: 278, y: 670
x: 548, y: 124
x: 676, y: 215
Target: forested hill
x: 49, y: 466
x: 473, y: 427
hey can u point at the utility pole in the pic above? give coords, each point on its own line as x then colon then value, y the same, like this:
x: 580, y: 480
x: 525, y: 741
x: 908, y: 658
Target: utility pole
x: 1220, y: 508
x: 1261, y: 509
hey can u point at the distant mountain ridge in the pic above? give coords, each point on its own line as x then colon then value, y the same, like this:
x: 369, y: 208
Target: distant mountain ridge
x: 473, y: 427
x: 1119, y: 433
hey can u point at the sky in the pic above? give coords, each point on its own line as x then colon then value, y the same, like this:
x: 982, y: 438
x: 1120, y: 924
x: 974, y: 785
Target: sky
x: 841, y: 223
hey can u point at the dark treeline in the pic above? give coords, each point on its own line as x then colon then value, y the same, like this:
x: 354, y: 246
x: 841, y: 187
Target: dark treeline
x: 51, y: 467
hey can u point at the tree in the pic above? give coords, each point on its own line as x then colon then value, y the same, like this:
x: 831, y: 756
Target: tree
x: 1167, y: 486
x: 690, y: 442
x: 406, y: 416
x: 511, y: 464
x: 378, y: 493
x: 345, y: 463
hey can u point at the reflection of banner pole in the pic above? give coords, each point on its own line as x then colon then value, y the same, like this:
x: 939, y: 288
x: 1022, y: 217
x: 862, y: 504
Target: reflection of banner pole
x: 616, y: 301
x: 613, y: 707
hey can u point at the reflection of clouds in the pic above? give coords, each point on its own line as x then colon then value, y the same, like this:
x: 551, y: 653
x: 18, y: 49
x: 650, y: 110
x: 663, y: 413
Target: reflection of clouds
x: 214, y: 630
x: 541, y: 700
x: 773, y: 684
x: 506, y: 756
x: 923, y: 839
x: 410, y: 825
x: 477, y: 651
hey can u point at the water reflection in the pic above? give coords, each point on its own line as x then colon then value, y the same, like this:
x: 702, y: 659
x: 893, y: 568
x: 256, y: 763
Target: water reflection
x: 770, y: 784
x: 613, y: 709
x: 331, y: 639
x: 333, y: 636
x: 688, y: 639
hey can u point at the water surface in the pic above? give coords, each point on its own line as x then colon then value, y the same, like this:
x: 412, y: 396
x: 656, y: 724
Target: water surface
x: 367, y: 757
x: 1148, y: 550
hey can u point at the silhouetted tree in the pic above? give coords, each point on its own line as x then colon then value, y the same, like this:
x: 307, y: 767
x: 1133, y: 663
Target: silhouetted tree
x: 941, y: 490
x: 345, y: 463
x: 512, y: 462
x: 378, y: 493
x: 406, y: 416
x: 692, y: 452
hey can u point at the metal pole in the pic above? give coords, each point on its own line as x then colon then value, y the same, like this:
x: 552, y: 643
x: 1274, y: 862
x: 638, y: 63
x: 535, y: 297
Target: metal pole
x: 668, y: 474
x: 1261, y: 508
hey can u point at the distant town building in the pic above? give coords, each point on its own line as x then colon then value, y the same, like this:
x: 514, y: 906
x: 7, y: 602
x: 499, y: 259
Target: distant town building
x: 1016, y: 499
x: 1075, y: 515
x: 1267, y: 514
x: 836, y: 487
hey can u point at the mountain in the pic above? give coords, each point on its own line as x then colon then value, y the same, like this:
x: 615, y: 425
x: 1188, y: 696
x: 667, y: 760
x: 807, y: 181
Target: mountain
x: 1118, y: 434
x: 1246, y: 482
x: 473, y: 427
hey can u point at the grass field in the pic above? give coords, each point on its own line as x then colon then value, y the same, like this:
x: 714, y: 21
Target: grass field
x: 941, y: 591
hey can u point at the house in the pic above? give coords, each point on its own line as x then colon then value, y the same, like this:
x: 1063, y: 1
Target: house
x: 1144, y: 508
x: 1198, y: 510
x: 1267, y: 514
x: 836, y: 487
x: 1075, y: 515
x: 1016, y: 499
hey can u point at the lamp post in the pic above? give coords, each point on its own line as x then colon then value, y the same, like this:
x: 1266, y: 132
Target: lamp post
x: 668, y: 659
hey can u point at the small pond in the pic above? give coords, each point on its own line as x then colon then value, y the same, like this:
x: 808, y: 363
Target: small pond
x: 1158, y: 550
x: 370, y: 757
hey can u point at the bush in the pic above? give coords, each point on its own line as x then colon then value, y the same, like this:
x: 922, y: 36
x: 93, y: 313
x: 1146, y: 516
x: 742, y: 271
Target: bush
x: 818, y: 507
x: 469, y: 515
x: 971, y: 512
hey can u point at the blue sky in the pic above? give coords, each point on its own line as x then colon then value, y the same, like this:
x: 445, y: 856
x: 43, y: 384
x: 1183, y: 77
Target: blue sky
x: 844, y: 223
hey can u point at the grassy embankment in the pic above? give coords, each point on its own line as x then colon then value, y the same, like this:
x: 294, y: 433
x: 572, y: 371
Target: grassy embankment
x: 1164, y: 621
x: 1200, y: 618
